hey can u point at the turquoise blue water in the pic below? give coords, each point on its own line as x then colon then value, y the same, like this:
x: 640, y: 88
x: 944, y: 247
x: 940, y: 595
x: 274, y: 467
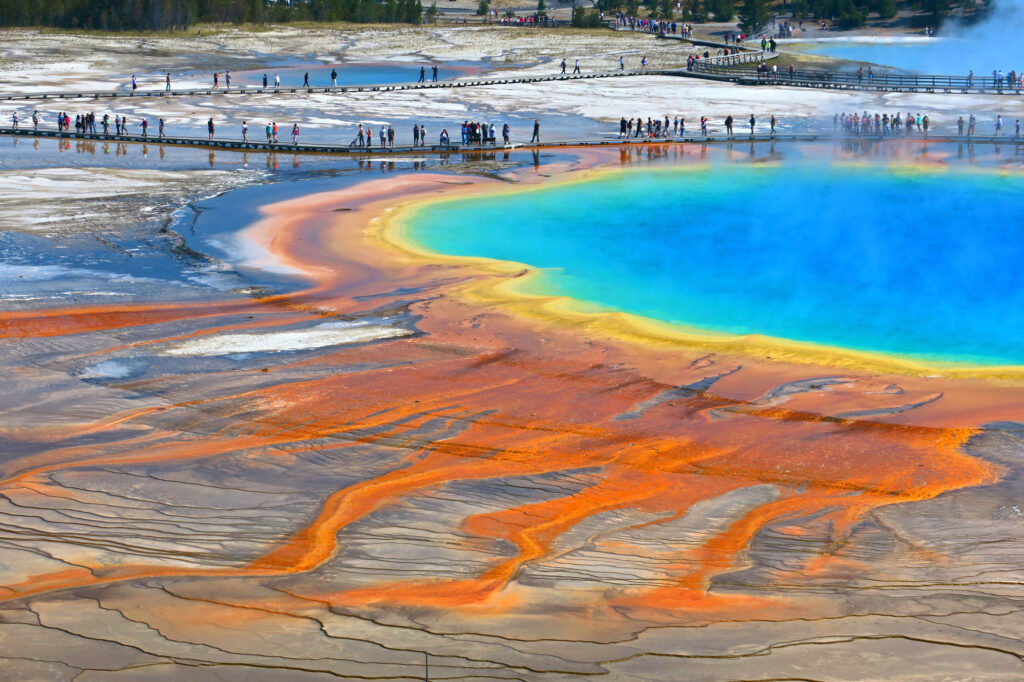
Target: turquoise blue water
x: 925, y: 265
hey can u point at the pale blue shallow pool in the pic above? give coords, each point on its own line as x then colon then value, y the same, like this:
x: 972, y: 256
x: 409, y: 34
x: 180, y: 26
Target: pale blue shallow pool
x: 923, y: 264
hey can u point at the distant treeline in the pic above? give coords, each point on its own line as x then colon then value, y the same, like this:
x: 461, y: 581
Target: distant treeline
x: 163, y: 15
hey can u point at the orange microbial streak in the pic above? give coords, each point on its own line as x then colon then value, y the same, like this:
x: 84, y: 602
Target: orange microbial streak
x: 487, y: 396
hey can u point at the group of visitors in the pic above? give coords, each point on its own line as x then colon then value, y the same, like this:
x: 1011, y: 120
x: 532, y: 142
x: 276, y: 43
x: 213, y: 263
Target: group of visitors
x: 87, y: 124
x: 882, y: 124
x: 642, y: 25
x: 666, y: 128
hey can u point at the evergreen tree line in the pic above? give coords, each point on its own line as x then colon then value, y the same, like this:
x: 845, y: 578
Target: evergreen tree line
x: 163, y: 15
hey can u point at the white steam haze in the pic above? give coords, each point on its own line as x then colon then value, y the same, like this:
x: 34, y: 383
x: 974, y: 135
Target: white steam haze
x: 994, y: 43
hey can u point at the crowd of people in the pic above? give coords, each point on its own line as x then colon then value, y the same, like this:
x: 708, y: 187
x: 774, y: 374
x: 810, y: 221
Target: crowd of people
x: 900, y: 125
x: 647, y: 25
x: 667, y: 127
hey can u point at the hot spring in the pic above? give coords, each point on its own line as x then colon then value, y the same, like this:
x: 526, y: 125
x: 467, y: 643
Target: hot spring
x: 889, y: 259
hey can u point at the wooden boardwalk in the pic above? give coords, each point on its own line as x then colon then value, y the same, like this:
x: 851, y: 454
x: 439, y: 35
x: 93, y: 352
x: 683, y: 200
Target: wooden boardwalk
x: 338, y: 90
x: 458, y: 148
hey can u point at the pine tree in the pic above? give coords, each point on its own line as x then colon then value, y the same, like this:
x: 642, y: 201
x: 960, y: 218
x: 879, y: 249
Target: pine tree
x: 753, y: 15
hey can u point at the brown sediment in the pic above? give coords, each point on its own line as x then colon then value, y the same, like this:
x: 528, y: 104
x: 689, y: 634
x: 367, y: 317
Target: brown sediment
x: 531, y: 396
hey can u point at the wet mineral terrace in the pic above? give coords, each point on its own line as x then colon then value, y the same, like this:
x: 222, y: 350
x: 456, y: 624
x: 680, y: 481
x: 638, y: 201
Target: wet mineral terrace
x: 270, y: 444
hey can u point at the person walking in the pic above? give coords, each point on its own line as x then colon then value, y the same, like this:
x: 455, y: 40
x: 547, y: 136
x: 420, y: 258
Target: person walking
x: 999, y: 125
x: 622, y: 63
x: 295, y: 133
x: 277, y: 81
x: 423, y: 75
x: 772, y: 133
x: 135, y: 84
x: 305, y: 80
x: 273, y: 130
x: 505, y: 132
x: 209, y: 128
x: 160, y: 129
x: 35, y: 121
x: 334, y: 78
x: 167, y: 83
x: 563, y: 67
x: 728, y: 125
x: 145, y: 128
x: 643, y: 64
x: 216, y: 80
x: 704, y: 126
x: 264, y: 80
x: 536, y: 131
x: 753, y: 122
x: 245, y: 131
x: 360, y: 136
x: 227, y: 80
x: 971, y: 123
x: 576, y: 69
x: 269, y: 133
x: 117, y: 123
x: 434, y: 72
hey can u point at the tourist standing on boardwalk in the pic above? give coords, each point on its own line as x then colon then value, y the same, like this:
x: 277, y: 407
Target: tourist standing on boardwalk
x: 227, y: 79
x: 117, y: 124
x: 971, y: 123
x: 753, y: 121
x: 999, y: 125
x: 167, y: 83
x: 270, y: 133
x: 643, y: 64
x: 209, y: 128
x: 216, y: 80
x: 135, y: 83
x: 505, y: 132
x: 245, y: 131
x: 622, y: 63
x: 334, y: 78
x: 960, y: 126
x: 415, y: 135
x: 273, y: 130
x: 264, y: 80
x: 704, y: 126
x: 383, y: 137
x: 391, y: 136
x: 536, y: 131
x: 772, y: 133
x: 423, y: 75
x: 145, y: 128
x: 35, y: 121
x: 434, y: 71
x: 277, y: 81
x: 14, y: 119
x: 295, y: 133
x: 360, y: 136
x: 728, y: 125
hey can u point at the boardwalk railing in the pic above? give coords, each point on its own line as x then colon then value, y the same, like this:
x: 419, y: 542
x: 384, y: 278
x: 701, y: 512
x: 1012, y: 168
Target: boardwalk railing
x: 271, y: 90
x: 862, y: 81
